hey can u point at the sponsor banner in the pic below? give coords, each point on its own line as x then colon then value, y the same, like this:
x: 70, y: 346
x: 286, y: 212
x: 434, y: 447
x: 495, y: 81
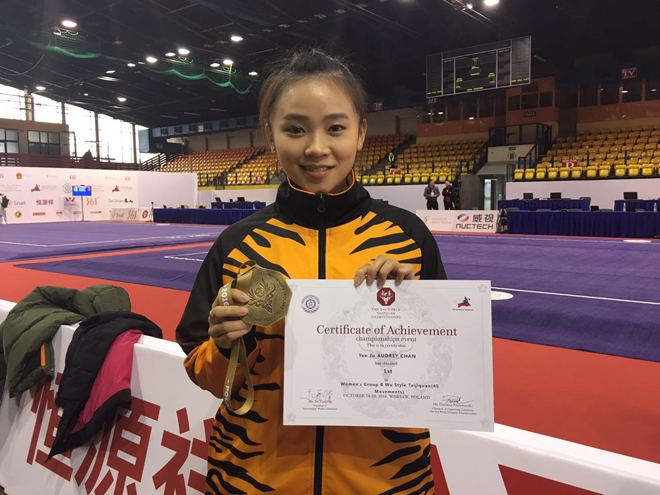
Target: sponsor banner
x: 131, y: 215
x: 460, y: 220
x: 46, y: 194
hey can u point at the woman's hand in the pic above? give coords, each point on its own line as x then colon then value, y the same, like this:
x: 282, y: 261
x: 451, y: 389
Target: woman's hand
x: 225, y: 323
x: 384, y: 268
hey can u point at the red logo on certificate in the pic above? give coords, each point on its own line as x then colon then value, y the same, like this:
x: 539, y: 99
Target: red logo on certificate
x: 385, y: 296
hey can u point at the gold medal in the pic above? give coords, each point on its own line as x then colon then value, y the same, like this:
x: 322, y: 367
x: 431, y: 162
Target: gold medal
x: 269, y: 301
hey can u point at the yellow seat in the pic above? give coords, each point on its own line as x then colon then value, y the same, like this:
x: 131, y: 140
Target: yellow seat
x: 442, y: 177
x: 389, y: 180
x: 633, y: 170
x: 619, y: 170
x: 416, y: 179
x: 592, y: 171
x: 365, y: 180
x: 540, y: 173
x: 564, y: 173
x: 397, y: 179
x: 647, y: 169
x: 552, y: 173
x: 576, y: 172
x: 407, y: 179
x: 425, y: 178
x: 518, y: 174
x: 529, y: 174
x: 380, y: 179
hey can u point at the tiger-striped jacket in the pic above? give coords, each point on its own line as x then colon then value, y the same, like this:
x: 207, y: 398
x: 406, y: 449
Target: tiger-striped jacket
x: 303, y: 235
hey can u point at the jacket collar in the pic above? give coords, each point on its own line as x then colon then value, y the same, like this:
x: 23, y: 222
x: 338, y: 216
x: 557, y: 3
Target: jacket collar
x: 322, y: 210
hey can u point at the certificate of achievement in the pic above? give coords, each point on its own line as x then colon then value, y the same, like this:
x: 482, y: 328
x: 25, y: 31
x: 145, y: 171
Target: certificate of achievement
x: 418, y: 355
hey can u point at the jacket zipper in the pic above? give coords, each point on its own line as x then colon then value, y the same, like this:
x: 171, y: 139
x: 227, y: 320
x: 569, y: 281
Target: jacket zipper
x: 320, y: 430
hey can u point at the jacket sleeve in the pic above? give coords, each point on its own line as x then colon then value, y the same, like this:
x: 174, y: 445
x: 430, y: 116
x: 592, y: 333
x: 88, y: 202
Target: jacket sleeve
x: 205, y: 363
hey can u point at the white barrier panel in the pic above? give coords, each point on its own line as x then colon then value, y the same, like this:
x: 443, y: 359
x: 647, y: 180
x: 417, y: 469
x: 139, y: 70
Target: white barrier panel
x: 484, y: 221
x: 477, y: 463
x: 159, y: 446
x: 131, y: 215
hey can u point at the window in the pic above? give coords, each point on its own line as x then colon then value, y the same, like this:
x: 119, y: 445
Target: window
x: 43, y: 143
x: 438, y: 110
x: 47, y: 110
x: 530, y: 101
x: 609, y: 93
x: 545, y: 99
x: 12, y: 103
x: 589, y: 95
x: 631, y: 90
x: 8, y: 141
x: 469, y: 109
x: 514, y: 103
x: 653, y: 89
x: 425, y: 116
x: 453, y: 110
x: 486, y: 104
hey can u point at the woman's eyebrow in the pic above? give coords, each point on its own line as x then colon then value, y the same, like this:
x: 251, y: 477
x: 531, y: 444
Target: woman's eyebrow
x: 332, y: 116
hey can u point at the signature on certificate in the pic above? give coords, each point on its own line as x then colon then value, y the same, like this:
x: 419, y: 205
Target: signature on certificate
x: 319, y: 396
x: 454, y: 400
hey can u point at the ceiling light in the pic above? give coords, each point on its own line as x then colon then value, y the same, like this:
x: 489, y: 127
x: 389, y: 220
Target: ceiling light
x: 85, y: 94
x: 183, y: 51
x: 441, y: 113
x: 111, y: 71
x: 130, y: 64
x: 236, y: 38
x: 653, y: 89
x: 67, y: 23
x: 284, y: 26
x: 215, y: 64
x: 340, y: 11
x: 490, y: 3
x: 192, y: 113
x: 168, y: 116
x: 151, y: 60
x: 217, y: 109
x: 40, y: 88
x: 121, y: 99
x: 624, y: 91
x: 170, y: 54
x: 228, y: 62
x: 469, y: 6
x: 471, y: 118
x: 255, y: 73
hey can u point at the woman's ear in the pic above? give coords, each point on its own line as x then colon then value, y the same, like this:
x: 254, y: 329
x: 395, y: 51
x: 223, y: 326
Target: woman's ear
x: 269, y: 137
x: 362, y: 133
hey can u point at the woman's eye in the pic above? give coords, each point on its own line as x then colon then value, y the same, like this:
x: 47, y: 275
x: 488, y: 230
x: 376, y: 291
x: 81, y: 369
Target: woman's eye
x: 337, y: 128
x: 295, y: 130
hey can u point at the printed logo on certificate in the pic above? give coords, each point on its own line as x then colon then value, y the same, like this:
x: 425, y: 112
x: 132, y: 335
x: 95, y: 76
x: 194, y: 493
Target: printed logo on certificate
x: 416, y: 355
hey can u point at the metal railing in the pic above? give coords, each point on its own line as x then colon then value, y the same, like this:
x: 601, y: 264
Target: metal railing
x: 58, y: 161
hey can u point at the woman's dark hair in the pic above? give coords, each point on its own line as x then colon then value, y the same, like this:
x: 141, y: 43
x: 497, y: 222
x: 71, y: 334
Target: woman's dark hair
x: 308, y: 63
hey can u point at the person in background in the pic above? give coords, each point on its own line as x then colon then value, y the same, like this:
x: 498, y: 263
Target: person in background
x: 431, y: 193
x: 4, y: 202
x: 449, y: 196
x: 391, y: 159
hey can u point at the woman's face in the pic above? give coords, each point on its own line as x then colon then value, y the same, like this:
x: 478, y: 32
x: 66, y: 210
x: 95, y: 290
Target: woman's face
x: 316, y: 133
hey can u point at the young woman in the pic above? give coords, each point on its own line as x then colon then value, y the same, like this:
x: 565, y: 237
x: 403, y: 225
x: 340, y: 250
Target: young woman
x: 322, y: 225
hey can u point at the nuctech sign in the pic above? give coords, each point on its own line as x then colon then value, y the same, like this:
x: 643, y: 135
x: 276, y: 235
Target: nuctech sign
x: 475, y: 222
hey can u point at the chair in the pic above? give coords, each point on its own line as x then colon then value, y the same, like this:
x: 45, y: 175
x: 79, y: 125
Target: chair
x: 379, y: 180
x: 564, y: 173
x: 576, y: 172
x: 389, y: 180
x: 633, y: 170
x: 647, y: 169
x: 619, y: 170
x: 529, y: 174
x: 540, y: 173
x: 518, y: 174
x: 552, y: 173
x: 592, y: 171
x: 397, y: 179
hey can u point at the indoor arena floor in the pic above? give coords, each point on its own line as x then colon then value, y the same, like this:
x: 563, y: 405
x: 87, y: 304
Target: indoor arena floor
x: 569, y: 295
